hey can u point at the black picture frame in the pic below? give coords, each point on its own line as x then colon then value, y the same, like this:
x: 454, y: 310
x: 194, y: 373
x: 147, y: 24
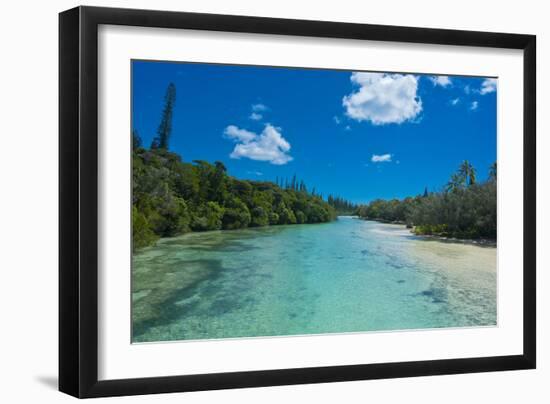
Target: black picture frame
x: 78, y: 201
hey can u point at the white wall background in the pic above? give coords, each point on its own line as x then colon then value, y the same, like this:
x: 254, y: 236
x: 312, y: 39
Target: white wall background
x: 28, y: 200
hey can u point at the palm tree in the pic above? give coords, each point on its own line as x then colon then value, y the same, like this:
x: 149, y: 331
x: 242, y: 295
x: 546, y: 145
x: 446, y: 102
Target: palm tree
x: 456, y: 182
x: 465, y: 176
x: 468, y: 172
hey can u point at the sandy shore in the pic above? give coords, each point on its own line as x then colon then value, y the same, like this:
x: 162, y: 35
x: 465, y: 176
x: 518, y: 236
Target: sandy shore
x: 479, y: 242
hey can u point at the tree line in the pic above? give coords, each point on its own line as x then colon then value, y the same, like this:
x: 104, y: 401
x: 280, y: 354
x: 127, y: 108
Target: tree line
x: 171, y: 197
x: 465, y: 208
x: 341, y: 205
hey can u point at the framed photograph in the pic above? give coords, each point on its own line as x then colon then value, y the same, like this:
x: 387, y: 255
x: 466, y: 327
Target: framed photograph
x: 251, y: 201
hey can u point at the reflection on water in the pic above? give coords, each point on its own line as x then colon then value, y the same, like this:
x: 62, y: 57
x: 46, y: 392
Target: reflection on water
x: 346, y: 276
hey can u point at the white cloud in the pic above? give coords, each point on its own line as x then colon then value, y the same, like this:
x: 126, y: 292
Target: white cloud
x: 267, y: 146
x: 467, y: 89
x: 474, y: 105
x: 255, y: 116
x: 336, y: 120
x: 241, y: 135
x: 455, y: 101
x: 488, y: 86
x: 383, y: 98
x: 381, y: 158
x: 443, y: 81
x: 259, y: 107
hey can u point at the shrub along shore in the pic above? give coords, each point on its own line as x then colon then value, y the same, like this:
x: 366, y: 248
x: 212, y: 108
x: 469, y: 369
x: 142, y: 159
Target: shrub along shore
x: 465, y: 209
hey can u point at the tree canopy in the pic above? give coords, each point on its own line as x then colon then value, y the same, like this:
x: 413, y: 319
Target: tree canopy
x: 171, y: 197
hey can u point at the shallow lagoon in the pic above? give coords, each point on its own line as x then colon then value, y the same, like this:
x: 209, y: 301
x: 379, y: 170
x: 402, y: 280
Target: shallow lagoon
x: 349, y: 275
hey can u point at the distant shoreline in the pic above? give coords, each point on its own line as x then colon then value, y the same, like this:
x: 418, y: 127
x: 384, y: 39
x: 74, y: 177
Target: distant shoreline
x: 481, y: 242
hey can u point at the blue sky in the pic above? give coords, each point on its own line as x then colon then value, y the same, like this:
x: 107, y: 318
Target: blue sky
x: 358, y: 135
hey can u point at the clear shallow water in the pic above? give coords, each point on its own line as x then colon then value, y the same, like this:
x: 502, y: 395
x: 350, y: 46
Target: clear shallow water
x: 345, y: 276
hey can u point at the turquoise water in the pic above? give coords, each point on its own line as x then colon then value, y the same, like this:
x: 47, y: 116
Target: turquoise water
x: 345, y: 276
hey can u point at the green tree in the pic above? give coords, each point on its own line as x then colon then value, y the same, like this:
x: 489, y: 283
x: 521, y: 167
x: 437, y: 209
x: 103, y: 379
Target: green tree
x: 468, y: 172
x: 236, y: 215
x: 207, y: 217
x: 259, y: 217
x: 161, y: 141
x: 142, y: 234
x: 218, y: 187
x: 464, y: 177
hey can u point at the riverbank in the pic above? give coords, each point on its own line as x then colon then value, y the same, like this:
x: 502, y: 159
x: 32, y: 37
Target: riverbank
x: 269, y: 226
x: 479, y: 242
x: 381, y: 220
x: 482, y: 242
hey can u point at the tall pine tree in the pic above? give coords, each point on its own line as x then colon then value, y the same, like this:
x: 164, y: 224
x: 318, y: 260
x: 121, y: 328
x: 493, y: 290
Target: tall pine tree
x: 164, y: 130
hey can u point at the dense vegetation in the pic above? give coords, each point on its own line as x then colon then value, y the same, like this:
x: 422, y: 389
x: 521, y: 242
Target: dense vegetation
x: 464, y: 209
x: 171, y: 197
x: 342, y: 206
